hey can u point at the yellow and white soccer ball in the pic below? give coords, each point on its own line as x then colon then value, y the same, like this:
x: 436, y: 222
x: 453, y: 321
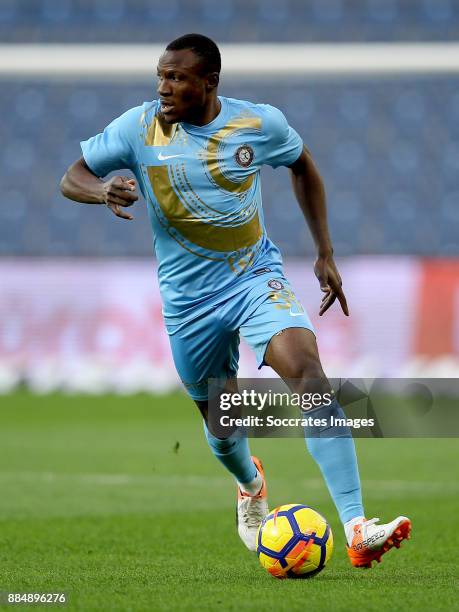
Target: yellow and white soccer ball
x: 294, y: 541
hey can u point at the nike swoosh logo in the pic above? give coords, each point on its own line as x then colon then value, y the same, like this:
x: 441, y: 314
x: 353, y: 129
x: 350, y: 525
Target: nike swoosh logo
x: 162, y: 157
x: 296, y: 314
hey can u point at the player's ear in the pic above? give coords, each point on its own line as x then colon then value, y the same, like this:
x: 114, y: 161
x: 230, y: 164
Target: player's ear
x: 213, y: 78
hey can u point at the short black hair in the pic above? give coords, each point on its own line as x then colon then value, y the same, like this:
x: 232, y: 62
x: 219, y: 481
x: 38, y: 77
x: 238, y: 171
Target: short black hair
x: 203, y: 47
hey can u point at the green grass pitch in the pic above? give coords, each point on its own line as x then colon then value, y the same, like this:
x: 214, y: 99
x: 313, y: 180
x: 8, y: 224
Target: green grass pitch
x: 118, y: 502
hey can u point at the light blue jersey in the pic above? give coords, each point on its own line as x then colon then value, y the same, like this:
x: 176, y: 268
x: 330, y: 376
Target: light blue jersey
x: 202, y: 186
x: 220, y: 276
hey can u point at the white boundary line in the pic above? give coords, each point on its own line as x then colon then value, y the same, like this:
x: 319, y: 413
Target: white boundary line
x: 99, y: 479
x: 128, y: 61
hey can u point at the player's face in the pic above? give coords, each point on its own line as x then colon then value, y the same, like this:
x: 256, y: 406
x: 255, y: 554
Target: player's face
x: 182, y: 87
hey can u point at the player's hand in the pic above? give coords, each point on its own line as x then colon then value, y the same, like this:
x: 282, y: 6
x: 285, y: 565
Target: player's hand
x: 118, y: 193
x: 330, y: 283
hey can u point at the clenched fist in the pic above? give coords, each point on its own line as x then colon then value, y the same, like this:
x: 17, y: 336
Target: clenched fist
x: 119, y: 192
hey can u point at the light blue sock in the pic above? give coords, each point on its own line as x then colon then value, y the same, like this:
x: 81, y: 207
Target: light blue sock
x: 337, y: 461
x: 234, y: 453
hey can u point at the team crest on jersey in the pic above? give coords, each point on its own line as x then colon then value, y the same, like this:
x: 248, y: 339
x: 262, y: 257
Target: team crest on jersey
x: 275, y: 284
x: 244, y: 155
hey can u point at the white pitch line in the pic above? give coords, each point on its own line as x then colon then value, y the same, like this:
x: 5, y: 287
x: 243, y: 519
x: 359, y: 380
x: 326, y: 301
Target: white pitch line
x: 115, y: 479
x: 415, y: 486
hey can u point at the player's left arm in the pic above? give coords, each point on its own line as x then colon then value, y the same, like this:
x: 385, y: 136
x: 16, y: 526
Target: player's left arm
x: 310, y: 192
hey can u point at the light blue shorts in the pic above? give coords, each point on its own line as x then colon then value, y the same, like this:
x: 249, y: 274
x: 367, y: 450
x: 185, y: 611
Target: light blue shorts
x: 208, y: 345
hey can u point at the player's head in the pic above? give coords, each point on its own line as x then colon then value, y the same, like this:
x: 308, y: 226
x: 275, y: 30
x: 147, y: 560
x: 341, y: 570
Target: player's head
x: 188, y: 75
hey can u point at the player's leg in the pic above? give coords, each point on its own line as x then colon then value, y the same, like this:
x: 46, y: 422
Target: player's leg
x: 281, y: 334
x: 294, y: 356
x: 205, y: 349
x: 231, y: 450
x: 252, y: 497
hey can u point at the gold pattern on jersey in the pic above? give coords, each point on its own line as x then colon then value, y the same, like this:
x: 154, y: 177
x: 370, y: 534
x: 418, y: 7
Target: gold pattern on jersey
x: 204, y: 234
x: 160, y: 133
x: 285, y: 299
x: 214, y: 147
x: 240, y: 263
x: 197, y: 207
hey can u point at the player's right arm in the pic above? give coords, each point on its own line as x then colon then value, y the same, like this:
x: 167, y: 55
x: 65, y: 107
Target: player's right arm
x: 80, y: 184
x: 113, y: 149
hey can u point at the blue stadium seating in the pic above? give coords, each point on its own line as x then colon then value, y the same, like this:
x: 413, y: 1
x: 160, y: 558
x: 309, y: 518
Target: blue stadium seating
x: 388, y: 150
x: 228, y: 20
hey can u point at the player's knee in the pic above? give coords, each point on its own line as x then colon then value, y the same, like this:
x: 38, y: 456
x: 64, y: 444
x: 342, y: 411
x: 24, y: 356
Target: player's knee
x: 307, y: 377
x: 305, y: 370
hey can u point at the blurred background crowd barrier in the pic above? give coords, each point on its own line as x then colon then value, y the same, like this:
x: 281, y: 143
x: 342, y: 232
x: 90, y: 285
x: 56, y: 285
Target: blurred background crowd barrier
x: 372, y: 86
x: 97, y: 326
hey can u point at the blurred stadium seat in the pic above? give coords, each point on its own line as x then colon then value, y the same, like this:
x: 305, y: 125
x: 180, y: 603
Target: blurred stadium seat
x: 233, y: 20
x: 388, y: 150
x: 387, y: 146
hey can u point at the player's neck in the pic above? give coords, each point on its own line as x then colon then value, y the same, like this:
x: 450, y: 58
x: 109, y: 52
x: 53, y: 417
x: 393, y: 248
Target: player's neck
x: 209, y: 112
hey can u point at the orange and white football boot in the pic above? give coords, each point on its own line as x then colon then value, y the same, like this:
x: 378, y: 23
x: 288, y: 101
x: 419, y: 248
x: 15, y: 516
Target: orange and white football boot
x: 251, y: 510
x: 371, y: 540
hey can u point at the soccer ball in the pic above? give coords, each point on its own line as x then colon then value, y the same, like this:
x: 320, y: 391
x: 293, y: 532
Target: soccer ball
x: 294, y: 541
